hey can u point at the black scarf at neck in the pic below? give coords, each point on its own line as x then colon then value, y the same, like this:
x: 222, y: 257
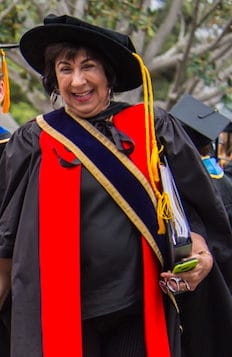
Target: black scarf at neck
x: 105, y: 126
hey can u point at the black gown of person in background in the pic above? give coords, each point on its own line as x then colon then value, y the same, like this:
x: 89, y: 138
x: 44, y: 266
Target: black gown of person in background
x: 228, y: 169
x: 224, y: 187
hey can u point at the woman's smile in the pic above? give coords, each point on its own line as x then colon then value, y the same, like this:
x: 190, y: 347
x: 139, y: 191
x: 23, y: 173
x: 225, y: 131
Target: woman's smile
x: 83, y: 97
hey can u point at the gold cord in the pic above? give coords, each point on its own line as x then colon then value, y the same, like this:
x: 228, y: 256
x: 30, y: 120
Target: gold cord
x: 164, y: 211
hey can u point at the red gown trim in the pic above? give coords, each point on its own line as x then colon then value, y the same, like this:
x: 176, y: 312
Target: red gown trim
x: 59, y: 217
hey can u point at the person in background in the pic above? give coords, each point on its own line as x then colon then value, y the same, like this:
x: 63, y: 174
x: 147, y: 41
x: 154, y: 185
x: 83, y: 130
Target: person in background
x: 82, y: 213
x: 4, y: 138
x: 224, y: 146
x: 204, y: 126
x: 225, y: 151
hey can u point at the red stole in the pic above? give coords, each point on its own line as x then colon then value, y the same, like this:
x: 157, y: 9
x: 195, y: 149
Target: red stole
x: 59, y: 250
x: 131, y: 122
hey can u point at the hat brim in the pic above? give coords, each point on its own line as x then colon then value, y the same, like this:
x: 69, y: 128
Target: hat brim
x: 34, y: 42
x: 9, y: 45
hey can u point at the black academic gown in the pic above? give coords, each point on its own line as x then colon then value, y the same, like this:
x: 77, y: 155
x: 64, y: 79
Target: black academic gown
x: 5, y: 312
x: 19, y: 194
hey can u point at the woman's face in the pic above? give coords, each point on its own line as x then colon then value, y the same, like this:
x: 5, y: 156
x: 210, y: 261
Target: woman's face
x: 82, y: 84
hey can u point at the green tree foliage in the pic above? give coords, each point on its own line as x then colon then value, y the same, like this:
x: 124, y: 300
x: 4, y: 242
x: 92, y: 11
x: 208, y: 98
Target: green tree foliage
x: 186, y: 44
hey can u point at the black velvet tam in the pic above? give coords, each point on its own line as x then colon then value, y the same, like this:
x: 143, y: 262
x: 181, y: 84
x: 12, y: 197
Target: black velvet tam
x: 117, y: 47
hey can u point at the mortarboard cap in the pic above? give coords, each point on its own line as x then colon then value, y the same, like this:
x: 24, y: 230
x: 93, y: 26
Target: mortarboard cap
x: 201, y: 122
x: 4, y: 73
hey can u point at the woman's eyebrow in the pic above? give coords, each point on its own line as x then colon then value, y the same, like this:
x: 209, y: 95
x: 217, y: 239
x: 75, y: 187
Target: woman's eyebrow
x: 63, y: 61
x: 88, y: 59
x: 66, y: 61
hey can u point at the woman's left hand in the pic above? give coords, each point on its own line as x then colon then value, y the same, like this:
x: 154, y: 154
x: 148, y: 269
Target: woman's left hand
x: 188, y: 281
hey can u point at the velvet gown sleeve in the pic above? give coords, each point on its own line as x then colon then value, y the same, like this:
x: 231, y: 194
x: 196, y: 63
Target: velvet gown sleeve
x: 5, y: 311
x: 15, y: 165
x: 19, y: 187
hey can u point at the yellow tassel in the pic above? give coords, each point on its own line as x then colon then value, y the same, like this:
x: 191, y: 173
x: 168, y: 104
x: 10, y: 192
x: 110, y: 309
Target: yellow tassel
x: 155, y: 163
x: 149, y: 121
x: 153, y: 159
x: 161, y: 225
x: 6, y: 99
x: 164, y: 212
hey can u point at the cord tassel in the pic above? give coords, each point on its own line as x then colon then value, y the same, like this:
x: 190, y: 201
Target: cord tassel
x: 153, y: 159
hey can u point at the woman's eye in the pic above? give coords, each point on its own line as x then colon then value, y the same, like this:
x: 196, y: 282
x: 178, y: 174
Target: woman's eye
x: 65, y: 69
x: 62, y: 66
x: 88, y: 65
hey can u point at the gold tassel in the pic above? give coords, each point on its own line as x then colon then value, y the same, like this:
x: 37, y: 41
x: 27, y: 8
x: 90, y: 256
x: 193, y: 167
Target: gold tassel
x: 162, y: 211
x: 153, y: 160
x: 155, y: 163
x: 6, y: 99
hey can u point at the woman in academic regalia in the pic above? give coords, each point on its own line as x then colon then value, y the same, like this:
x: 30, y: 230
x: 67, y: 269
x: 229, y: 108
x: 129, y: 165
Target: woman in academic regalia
x: 82, y: 213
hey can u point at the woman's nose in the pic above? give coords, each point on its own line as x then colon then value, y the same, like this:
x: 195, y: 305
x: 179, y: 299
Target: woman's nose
x: 78, y: 78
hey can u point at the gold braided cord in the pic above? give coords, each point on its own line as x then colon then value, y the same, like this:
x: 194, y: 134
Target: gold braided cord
x: 6, y: 99
x: 164, y: 211
x: 148, y: 102
x: 155, y: 159
x: 145, y: 96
